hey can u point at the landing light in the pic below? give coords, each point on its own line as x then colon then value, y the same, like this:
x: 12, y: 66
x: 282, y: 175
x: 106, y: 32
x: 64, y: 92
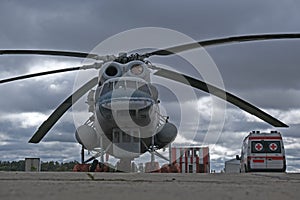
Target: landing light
x: 137, y: 69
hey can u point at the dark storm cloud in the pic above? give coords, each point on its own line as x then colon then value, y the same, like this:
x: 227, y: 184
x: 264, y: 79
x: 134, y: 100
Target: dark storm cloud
x: 80, y: 25
x: 34, y: 95
x: 292, y: 132
x: 270, y: 99
x: 62, y: 132
x: 47, y: 151
x: 45, y: 25
x: 14, y: 132
x: 10, y: 65
x: 267, y: 64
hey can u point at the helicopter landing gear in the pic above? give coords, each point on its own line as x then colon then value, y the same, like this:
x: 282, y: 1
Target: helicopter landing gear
x: 94, y: 166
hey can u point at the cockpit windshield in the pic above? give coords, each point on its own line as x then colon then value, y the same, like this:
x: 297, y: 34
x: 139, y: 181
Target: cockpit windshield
x: 131, y: 84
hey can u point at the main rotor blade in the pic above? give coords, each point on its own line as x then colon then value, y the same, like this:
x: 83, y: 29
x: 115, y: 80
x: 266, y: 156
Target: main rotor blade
x: 38, y: 74
x: 220, y: 41
x: 221, y: 94
x: 61, y: 109
x: 49, y: 53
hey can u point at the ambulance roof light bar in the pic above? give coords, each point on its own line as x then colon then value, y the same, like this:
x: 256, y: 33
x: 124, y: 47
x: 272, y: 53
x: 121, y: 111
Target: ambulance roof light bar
x: 255, y: 131
x: 274, y: 132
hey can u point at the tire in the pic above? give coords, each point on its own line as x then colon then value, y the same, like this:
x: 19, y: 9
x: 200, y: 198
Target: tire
x: 246, y: 169
x: 94, y: 165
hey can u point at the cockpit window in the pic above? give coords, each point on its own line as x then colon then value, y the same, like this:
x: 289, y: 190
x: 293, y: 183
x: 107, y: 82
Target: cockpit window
x: 123, y: 84
x: 144, y: 88
x: 131, y: 84
x: 119, y: 84
x: 106, y: 88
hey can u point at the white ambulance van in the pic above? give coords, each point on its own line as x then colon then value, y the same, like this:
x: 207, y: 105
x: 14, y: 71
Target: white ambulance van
x: 263, y: 152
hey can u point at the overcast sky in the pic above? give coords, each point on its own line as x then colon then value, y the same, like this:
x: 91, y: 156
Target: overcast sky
x: 263, y: 73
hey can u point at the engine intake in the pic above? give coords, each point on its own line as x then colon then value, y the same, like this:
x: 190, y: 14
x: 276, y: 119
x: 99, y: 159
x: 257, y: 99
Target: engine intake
x: 111, y: 70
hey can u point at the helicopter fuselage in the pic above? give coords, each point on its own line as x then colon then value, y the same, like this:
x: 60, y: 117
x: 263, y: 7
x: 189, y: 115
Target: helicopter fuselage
x: 127, y: 118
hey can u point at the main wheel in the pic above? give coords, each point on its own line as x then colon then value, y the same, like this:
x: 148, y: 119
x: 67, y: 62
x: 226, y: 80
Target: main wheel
x: 94, y: 165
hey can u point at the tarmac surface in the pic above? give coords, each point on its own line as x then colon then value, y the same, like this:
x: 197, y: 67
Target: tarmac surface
x: 80, y: 185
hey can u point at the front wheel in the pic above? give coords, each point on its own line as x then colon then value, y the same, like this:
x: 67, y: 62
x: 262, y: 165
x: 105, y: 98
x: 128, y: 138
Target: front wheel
x: 94, y: 165
x: 244, y: 169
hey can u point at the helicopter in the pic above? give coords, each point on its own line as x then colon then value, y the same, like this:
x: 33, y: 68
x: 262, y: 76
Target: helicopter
x: 126, y: 119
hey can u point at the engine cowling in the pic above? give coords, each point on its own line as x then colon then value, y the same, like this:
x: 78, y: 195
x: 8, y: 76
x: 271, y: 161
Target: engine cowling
x: 166, y: 135
x: 87, y: 136
x: 108, y: 71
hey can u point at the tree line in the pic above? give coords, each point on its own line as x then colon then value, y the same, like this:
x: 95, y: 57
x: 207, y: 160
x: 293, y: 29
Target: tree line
x: 45, y: 166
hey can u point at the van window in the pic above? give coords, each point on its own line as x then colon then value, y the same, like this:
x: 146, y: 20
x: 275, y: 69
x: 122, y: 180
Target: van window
x: 265, y: 147
x: 273, y: 146
x: 257, y: 147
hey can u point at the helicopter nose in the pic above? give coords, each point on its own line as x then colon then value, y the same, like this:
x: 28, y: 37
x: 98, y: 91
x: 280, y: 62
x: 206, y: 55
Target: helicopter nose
x: 126, y: 105
x: 121, y: 99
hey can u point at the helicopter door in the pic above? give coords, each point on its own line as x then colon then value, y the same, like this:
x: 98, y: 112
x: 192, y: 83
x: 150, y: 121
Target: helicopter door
x: 125, y: 145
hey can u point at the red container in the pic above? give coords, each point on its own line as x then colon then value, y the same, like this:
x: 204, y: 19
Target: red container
x: 191, y: 159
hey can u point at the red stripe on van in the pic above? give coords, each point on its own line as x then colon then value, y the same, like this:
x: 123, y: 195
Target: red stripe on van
x: 265, y: 138
x: 258, y: 161
x: 275, y: 157
x: 267, y: 157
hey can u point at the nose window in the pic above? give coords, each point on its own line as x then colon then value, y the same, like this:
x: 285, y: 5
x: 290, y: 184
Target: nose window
x: 125, y: 84
x: 119, y: 84
x: 131, y: 84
